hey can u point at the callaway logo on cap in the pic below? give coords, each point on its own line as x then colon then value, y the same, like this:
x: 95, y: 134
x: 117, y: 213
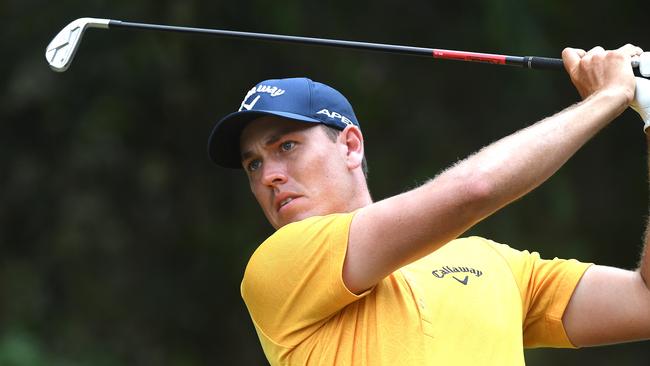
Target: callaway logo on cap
x: 298, y: 99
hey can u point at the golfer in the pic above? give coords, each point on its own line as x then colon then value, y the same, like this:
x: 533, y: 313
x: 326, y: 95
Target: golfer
x: 348, y: 281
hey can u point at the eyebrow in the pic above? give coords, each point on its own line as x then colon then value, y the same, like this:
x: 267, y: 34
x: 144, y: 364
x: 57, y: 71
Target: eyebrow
x: 275, y: 137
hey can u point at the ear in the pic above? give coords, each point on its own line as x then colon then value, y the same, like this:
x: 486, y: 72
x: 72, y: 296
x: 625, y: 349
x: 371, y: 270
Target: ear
x: 352, y: 141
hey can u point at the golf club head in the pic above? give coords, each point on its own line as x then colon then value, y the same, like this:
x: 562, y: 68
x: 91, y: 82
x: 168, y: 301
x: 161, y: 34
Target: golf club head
x: 61, y: 50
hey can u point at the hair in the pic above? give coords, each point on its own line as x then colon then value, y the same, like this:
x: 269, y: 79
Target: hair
x: 333, y: 134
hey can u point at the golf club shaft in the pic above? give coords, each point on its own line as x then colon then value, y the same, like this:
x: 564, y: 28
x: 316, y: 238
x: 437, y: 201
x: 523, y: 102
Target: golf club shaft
x: 531, y: 62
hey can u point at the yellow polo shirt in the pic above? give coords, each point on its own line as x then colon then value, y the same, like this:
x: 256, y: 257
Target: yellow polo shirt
x: 472, y: 302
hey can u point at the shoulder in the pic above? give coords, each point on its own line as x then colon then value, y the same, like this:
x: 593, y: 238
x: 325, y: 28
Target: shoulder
x: 305, y: 233
x: 314, y: 225
x: 293, y: 280
x: 286, y: 253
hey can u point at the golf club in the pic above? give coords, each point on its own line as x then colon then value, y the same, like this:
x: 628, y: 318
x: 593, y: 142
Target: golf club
x: 61, y: 50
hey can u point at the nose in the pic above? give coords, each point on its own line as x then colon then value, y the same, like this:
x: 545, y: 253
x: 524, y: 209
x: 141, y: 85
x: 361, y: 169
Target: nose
x: 273, y: 174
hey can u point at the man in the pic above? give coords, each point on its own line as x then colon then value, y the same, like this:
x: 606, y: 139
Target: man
x: 345, y: 281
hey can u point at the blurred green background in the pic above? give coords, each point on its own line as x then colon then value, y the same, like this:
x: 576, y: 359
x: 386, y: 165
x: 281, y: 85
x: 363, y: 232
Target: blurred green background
x: 121, y: 244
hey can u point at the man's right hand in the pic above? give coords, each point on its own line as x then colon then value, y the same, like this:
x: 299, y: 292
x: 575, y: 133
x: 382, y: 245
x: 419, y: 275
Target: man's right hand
x: 599, y: 71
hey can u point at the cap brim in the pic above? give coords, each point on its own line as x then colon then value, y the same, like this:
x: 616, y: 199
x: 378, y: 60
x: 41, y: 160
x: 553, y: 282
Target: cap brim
x: 223, y: 144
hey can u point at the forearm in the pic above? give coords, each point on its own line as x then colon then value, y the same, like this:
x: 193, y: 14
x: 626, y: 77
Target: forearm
x: 511, y: 167
x: 474, y: 188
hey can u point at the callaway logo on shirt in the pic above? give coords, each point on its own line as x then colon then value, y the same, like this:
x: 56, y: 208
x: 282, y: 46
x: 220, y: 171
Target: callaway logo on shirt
x: 445, y: 270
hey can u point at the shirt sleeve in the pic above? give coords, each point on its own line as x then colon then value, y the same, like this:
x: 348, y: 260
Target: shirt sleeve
x: 293, y: 282
x: 546, y: 287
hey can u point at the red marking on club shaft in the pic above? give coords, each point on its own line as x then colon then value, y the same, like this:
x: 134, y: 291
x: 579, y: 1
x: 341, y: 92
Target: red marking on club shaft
x: 469, y: 56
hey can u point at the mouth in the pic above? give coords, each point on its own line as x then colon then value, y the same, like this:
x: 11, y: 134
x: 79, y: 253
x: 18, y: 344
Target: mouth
x: 284, y: 200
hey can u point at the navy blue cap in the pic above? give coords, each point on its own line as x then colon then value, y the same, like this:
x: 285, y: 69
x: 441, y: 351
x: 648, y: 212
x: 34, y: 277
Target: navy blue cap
x: 298, y: 99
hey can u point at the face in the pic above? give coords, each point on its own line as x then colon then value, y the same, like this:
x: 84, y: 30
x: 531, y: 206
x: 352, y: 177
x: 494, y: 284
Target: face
x: 294, y: 169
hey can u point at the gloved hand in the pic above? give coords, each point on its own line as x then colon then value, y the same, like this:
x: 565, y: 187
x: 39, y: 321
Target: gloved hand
x: 641, y: 102
x: 644, y: 64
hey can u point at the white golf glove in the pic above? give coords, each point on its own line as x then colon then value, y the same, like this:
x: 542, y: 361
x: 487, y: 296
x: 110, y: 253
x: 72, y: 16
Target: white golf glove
x: 641, y: 102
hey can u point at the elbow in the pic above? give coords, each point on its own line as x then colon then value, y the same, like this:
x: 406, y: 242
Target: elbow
x: 473, y: 191
x: 482, y: 194
x: 480, y: 189
x: 479, y: 185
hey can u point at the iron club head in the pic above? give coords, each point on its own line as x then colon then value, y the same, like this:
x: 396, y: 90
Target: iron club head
x: 61, y: 50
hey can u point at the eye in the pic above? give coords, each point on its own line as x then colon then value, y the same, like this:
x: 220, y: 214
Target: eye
x: 253, y: 165
x: 287, y: 145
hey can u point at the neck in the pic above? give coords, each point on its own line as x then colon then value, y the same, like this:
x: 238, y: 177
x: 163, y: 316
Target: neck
x: 359, y: 196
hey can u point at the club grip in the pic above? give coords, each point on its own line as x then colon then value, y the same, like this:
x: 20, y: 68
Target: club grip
x: 544, y: 63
